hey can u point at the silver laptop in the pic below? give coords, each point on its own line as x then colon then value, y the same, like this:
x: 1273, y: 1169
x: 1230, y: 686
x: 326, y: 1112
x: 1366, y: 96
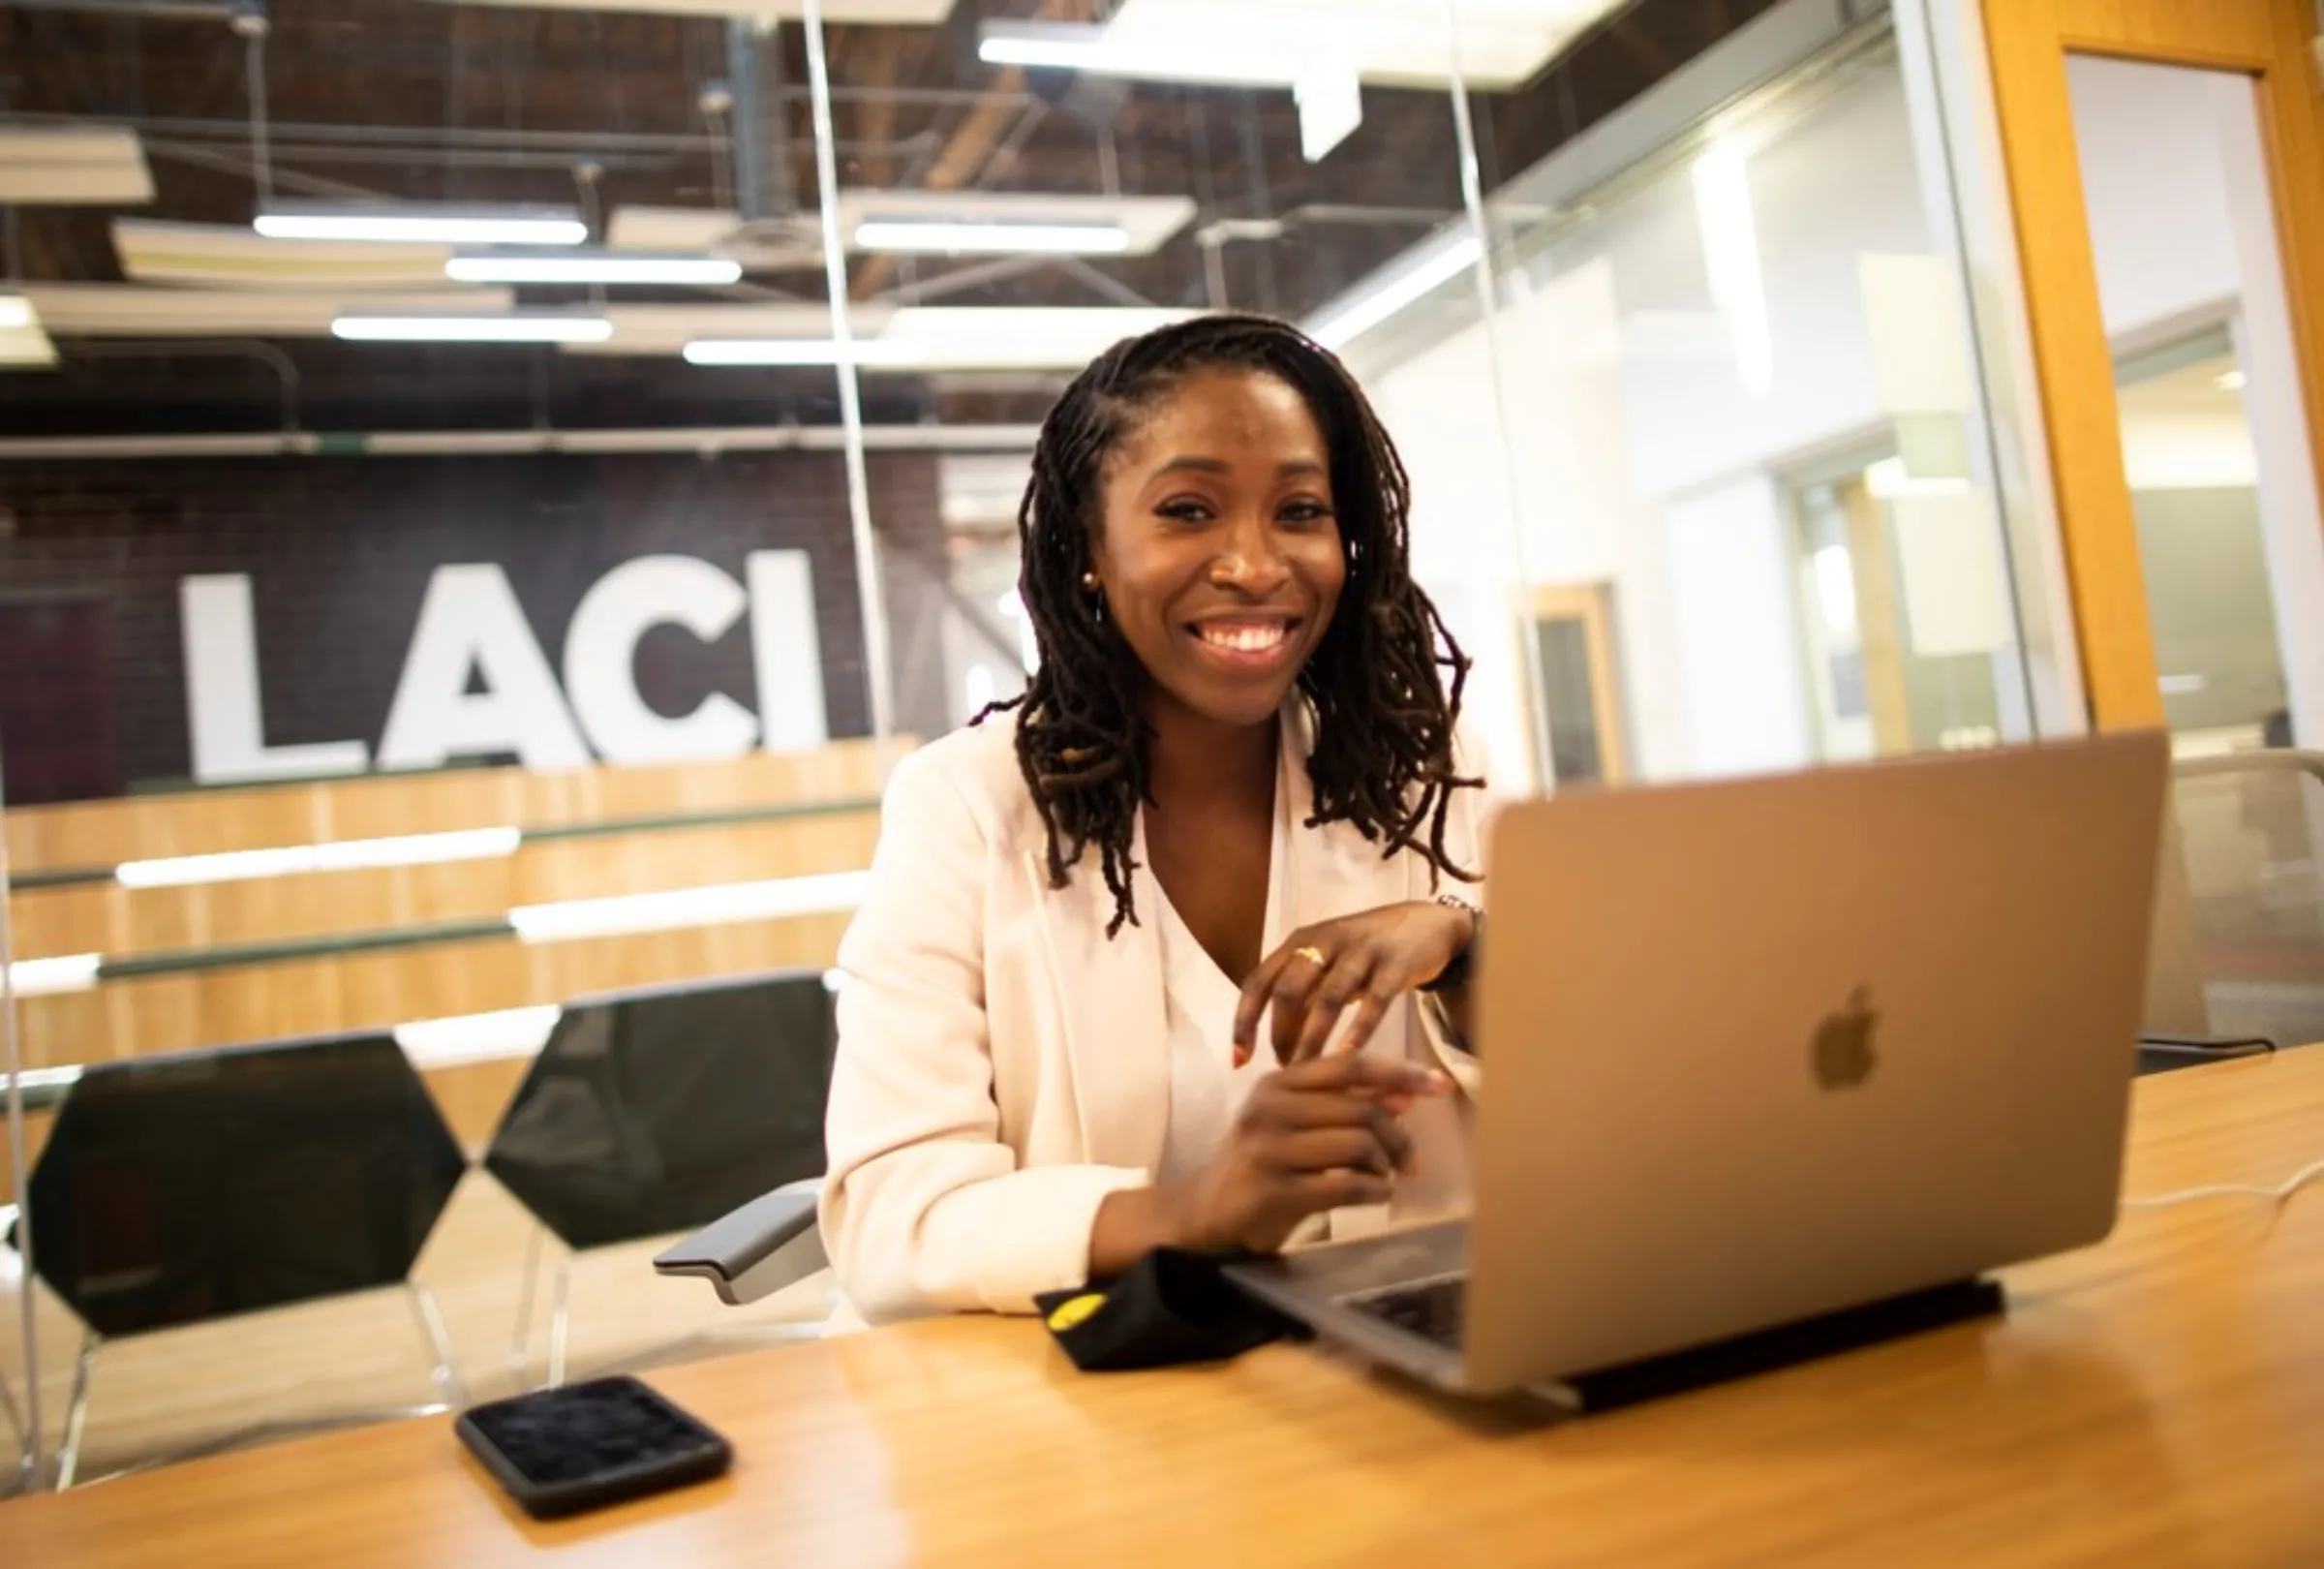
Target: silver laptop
x: 1760, y: 1051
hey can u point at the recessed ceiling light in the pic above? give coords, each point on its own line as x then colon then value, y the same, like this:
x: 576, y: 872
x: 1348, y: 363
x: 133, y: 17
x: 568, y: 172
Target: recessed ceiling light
x: 515, y: 328
x: 592, y: 267
x: 395, y: 222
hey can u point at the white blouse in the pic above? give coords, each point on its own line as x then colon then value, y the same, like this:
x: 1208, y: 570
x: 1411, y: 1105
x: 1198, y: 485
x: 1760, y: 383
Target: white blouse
x: 1206, y: 1090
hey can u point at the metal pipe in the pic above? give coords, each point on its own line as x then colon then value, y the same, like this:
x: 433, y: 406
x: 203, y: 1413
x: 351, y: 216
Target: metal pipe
x: 851, y: 408
x: 746, y: 119
x: 221, y: 11
x: 285, y: 369
x: 706, y: 441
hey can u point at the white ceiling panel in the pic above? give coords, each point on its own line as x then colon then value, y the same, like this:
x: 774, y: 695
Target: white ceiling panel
x: 234, y: 257
x: 129, y: 311
x: 665, y: 330
x: 1392, y: 43
x: 921, y: 12
x: 74, y: 167
x: 1150, y: 221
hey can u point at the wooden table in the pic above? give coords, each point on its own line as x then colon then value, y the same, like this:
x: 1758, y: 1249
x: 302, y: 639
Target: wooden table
x: 2158, y: 1401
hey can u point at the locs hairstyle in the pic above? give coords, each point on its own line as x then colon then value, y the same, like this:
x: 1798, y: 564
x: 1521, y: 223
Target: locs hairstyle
x: 1383, y: 757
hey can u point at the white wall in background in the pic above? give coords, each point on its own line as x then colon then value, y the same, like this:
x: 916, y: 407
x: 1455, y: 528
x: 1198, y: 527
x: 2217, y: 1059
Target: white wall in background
x: 1609, y: 432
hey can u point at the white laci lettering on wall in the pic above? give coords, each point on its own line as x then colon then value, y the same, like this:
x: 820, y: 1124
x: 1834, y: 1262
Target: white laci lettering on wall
x: 471, y: 631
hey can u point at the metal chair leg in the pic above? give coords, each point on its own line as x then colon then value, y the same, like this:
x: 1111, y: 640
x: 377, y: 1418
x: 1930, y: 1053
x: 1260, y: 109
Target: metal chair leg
x: 561, y: 1321
x: 76, y: 1411
x: 444, y: 1370
x: 8, y: 1407
x: 520, y: 1349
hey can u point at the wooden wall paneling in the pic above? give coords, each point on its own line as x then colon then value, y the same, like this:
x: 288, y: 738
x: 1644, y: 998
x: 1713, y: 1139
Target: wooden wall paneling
x: 37, y: 1124
x: 473, y: 1096
x: 145, y: 1015
x: 102, y: 834
x: 126, y: 922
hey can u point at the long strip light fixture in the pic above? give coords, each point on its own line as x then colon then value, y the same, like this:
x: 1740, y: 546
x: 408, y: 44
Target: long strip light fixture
x: 339, y: 855
x: 863, y: 351
x: 47, y: 977
x: 997, y: 237
x: 476, y: 1038
x: 576, y: 266
x: 514, y: 326
x: 15, y: 311
x: 395, y: 222
x: 629, y: 914
x: 1093, y: 48
x: 1436, y: 264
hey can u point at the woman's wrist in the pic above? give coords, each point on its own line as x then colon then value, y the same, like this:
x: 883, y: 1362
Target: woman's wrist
x: 1131, y: 1222
x: 1455, y: 973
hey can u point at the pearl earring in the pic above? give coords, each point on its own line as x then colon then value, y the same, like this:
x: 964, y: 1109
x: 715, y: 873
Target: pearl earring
x: 1089, y: 581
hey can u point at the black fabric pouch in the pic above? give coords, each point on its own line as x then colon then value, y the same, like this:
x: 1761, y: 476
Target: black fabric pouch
x: 1171, y: 1308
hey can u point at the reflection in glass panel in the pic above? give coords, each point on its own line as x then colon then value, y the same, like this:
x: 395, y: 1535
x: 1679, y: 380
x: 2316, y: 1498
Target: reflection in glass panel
x: 1682, y: 349
x: 2195, y: 490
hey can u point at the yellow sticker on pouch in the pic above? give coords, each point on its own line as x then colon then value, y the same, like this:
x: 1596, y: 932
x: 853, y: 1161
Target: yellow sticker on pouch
x: 1075, y: 1312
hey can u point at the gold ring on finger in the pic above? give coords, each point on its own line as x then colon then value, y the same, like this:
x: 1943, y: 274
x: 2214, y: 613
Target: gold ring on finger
x: 1313, y: 955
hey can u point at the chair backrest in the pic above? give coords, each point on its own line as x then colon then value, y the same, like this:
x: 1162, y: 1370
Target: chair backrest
x: 658, y: 1111
x: 2239, y: 932
x: 174, y: 1190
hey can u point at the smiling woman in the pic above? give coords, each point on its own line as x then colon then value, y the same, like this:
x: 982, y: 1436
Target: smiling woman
x: 1223, y: 812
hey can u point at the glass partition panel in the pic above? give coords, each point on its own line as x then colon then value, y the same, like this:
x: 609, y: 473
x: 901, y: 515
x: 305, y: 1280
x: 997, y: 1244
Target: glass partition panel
x: 1736, y: 382
x: 413, y: 629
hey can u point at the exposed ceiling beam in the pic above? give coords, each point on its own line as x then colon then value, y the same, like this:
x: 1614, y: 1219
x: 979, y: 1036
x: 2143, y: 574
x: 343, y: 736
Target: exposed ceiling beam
x: 970, y: 143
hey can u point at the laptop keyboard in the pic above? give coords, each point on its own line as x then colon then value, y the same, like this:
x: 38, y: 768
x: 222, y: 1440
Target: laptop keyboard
x: 1432, y: 1311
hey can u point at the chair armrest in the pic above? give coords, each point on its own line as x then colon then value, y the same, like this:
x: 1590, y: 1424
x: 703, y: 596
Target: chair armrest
x: 768, y: 1244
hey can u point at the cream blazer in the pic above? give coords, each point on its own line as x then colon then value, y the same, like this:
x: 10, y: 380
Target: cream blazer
x: 1003, y: 1065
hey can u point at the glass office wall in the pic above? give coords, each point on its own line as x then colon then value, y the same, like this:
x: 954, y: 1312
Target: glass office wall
x: 379, y: 703
x: 20, y: 1354
x: 1735, y: 392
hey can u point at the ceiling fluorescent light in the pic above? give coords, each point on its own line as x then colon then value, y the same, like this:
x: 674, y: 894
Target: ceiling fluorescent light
x: 477, y: 1037
x: 912, y: 235
x: 341, y: 855
x: 514, y: 327
x: 1344, y: 323
x: 591, y: 267
x: 15, y: 311
x: 679, y: 908
x: 798, y: 351
x: 417, y: 225
x: 1086, y: 48
x: 47, y: 978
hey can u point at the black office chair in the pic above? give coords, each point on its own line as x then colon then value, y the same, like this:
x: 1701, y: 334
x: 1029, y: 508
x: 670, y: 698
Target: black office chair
x: 654, y: 1111
x: 179, y: 1190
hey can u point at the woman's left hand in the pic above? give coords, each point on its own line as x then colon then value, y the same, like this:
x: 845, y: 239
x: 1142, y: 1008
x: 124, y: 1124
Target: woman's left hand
x: 1367, y: 961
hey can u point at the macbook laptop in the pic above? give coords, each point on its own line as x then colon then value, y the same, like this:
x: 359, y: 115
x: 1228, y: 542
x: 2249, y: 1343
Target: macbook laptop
x: 1759, y: 1050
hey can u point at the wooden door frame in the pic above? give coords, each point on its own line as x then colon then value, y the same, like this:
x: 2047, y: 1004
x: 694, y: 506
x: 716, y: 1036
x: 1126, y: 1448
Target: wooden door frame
x: 1591, y: 604
x: 2028, y: 42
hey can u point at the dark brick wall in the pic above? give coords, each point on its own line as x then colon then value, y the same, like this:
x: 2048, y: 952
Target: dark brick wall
x: 339, y: 551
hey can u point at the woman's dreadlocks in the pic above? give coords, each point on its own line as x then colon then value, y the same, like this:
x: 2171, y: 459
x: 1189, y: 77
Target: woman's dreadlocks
x: 1383, y: 757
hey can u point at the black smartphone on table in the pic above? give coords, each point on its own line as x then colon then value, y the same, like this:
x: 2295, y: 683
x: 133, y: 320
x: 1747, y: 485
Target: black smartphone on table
x: 582, y: 1446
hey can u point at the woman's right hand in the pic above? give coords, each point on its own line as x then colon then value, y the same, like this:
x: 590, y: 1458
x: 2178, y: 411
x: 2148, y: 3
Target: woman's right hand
x: 1319, y: 1135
